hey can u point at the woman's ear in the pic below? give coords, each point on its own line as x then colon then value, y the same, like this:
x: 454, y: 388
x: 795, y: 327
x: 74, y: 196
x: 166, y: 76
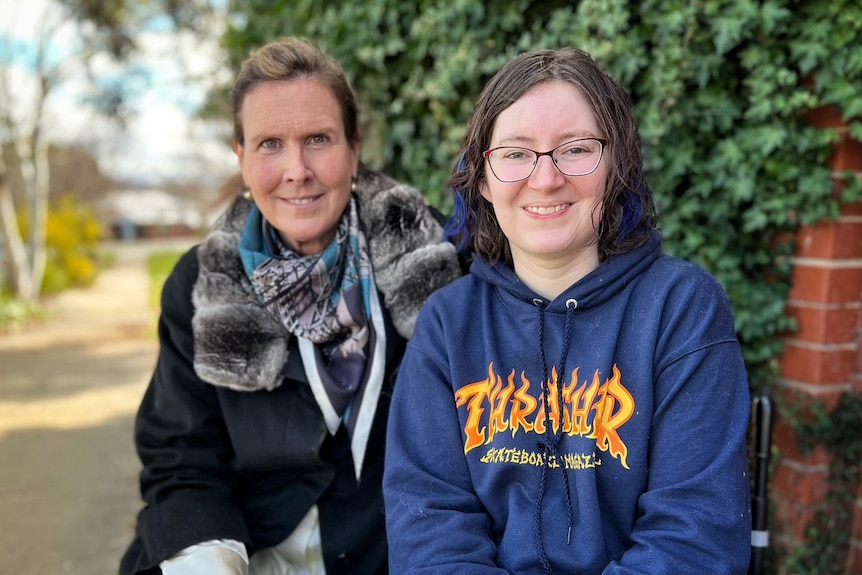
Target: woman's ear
x: 355, y: 146
x: 485, y: 192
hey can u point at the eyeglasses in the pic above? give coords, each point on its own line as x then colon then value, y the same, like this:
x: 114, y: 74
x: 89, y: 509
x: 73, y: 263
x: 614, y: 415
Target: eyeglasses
x: 576, y: 158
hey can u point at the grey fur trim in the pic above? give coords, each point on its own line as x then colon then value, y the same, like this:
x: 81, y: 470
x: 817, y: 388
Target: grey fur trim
x: 242, y: 346
x: 238, y: 343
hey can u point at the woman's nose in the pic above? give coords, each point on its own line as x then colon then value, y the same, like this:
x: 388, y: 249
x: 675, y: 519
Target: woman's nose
x: 546, y: 173
x: 296, y: 168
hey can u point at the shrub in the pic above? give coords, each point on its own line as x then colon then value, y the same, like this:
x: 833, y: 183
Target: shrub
x: 15, y: 313
x: 72, y: 235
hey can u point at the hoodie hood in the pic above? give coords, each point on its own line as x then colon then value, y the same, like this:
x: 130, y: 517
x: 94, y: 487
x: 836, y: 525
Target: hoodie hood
x: 593, y: 290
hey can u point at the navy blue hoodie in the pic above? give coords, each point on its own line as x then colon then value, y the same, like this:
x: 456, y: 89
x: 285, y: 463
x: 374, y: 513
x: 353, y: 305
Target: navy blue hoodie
x: 644, y: 468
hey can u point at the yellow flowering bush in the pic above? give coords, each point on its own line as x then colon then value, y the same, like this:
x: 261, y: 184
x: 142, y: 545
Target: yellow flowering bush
x: 72, y: 235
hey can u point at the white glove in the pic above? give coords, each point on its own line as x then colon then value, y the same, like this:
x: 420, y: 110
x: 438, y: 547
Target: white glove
x: 215, y: 557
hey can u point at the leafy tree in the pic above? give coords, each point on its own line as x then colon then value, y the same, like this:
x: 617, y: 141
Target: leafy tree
x: 720, y: 87
x: 76, y: 173
x: 74, y: 37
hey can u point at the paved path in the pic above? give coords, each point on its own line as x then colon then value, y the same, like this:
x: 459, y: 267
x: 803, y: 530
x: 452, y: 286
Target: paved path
x: 69, y: 388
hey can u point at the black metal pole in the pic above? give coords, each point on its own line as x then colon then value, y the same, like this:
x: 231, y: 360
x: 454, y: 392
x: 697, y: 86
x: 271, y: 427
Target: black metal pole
x: 762, y: 408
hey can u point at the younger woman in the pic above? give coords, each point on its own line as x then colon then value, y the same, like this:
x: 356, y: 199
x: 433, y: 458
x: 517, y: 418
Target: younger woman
x: 578, y: 404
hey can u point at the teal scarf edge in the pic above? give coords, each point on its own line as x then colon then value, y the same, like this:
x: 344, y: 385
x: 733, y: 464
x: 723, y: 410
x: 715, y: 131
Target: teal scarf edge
x: 252, y: 248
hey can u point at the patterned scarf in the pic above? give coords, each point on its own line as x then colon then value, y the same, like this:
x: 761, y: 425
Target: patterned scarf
x: 324, y: 299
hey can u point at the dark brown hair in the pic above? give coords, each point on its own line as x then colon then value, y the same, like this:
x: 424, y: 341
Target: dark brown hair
x: 287, y: 59
x: 628, y: 212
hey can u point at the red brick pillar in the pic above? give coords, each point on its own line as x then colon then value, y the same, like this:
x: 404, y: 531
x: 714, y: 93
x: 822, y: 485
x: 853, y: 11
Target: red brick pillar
x: 822, y: 359
x: 854, y: 566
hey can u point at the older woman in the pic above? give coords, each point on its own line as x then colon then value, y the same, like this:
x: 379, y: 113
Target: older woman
x: 262, y: 431
x: 578, y: 403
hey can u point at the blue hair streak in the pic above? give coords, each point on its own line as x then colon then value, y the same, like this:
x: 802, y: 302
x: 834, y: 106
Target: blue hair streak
x: 456, y: 229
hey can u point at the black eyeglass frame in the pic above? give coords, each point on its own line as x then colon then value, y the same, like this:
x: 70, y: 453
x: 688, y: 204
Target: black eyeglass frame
x: 487, y: 155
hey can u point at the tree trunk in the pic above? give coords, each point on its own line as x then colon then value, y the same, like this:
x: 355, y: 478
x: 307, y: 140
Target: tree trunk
x: 17, y: 264
x: 36, y: 174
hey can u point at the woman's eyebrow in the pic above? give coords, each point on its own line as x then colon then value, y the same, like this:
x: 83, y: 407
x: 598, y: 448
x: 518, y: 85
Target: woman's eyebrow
x: 562, y: 138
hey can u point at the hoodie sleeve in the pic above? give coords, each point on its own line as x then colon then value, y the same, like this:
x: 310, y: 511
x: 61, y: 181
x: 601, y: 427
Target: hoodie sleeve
x: 696, y: 508
x: 435, y: 522
x: 694, y: 514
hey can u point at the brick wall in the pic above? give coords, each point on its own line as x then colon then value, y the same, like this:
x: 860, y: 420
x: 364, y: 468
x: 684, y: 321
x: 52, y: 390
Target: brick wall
x: 823, y: 358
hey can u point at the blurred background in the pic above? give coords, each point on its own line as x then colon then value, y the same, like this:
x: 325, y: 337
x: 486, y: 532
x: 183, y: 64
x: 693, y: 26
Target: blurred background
x: 115, y: 133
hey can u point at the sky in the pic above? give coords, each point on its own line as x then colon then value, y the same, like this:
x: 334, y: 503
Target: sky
x: 161, y: 140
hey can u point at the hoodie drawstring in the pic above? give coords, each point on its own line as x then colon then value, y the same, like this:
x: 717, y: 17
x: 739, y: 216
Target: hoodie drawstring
x: 552, y: 437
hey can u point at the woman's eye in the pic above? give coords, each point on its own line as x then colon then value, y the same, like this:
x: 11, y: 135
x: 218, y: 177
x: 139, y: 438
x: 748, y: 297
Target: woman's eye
x: 515, y: 155
x: 318, y: 140
x: 574, y: 151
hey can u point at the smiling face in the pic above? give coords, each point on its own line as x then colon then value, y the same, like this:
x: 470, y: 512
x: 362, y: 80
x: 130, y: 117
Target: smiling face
x: 549, y: 219
x: 296, y: 160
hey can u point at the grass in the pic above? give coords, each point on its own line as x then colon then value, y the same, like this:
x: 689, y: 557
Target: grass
x: 159, y: 267
x: 17, y: 313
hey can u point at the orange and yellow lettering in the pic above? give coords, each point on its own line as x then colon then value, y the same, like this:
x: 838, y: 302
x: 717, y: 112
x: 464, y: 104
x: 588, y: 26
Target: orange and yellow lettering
x: 473, y: 395
x: 523, y: 404
x: 614, y: 408
x: 499, y: 400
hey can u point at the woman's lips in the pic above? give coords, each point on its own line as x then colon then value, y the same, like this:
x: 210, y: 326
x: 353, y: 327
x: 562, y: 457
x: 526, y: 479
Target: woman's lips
x: 546, y: 210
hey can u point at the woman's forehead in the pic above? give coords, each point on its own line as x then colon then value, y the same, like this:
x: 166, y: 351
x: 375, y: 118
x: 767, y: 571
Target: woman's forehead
x: 299, y: 103
x: 552, y: 111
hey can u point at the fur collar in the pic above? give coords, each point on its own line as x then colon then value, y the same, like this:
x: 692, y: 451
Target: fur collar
x: 240, y: 345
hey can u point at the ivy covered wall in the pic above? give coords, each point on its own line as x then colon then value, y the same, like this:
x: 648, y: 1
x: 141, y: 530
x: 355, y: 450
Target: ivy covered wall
x: 722, y: 90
